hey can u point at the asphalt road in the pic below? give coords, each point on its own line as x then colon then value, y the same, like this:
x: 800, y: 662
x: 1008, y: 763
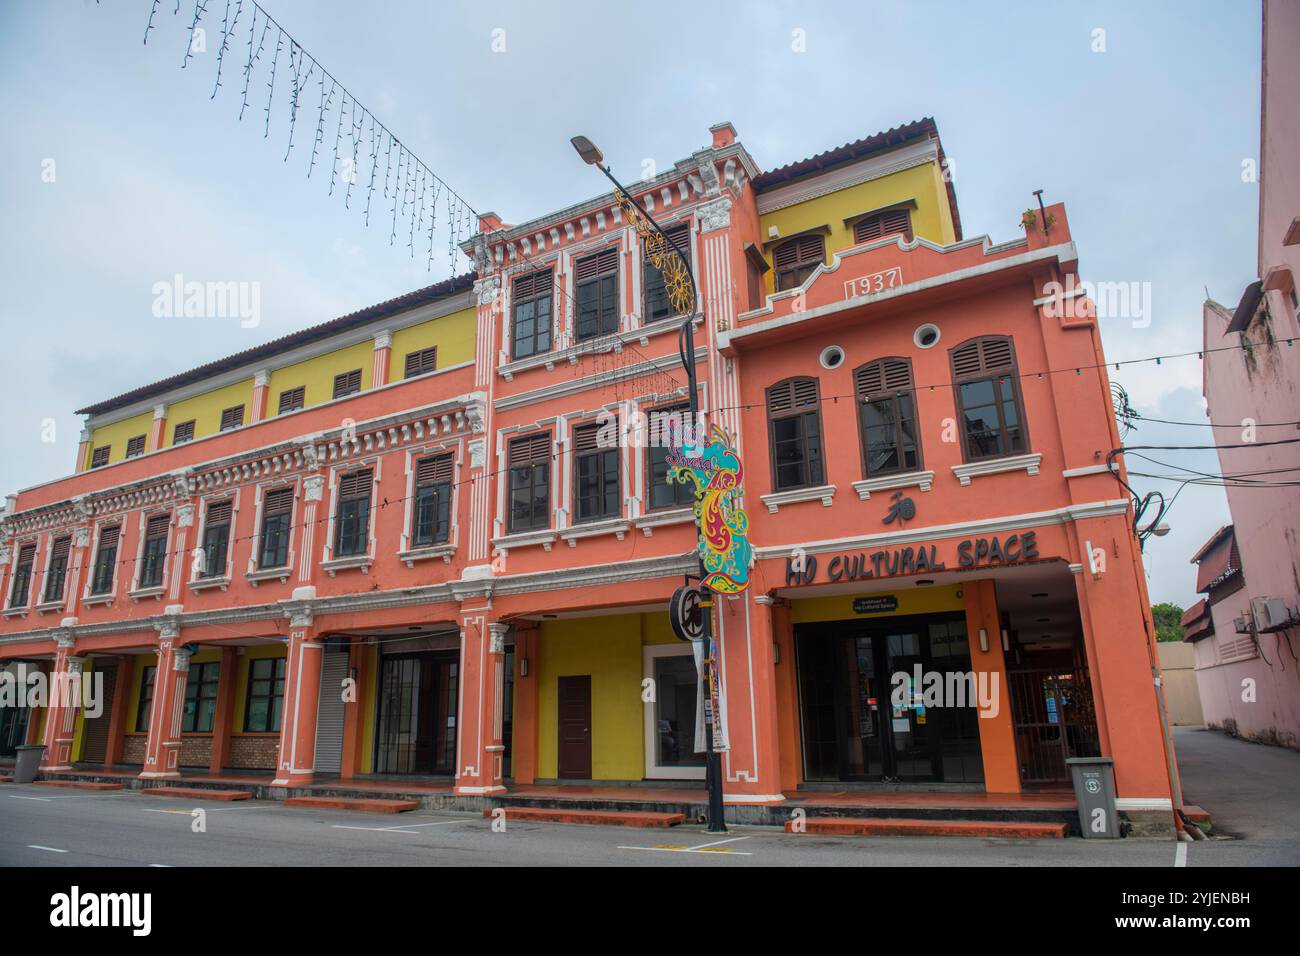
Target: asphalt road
x: 1252, y: 790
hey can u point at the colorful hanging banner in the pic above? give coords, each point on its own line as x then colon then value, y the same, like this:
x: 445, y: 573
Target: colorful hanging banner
x: 714, y: 471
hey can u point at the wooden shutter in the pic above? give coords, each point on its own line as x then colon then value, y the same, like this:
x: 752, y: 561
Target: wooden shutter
x: 157, y: 526
x: 535, y: 284
x: 184, y: 432
x: 983, y: 356
x: 99, y: 457
x: 586, y: 437
x: 26, y: 554
x: 680, y: 236
x: 292, y: 399
x: 278, y: 502
x: 355, y: 485
x: 232, y: 418
x: 800, y: 251
x: 108, y: 536
x: 60, y: 550
x: 135, y: 446
x: 418, y: 363
x: 599, y: 264
x: 532, y: 450
x: 431, y: 471
x: 884, y: 375
x: 219, y: 513
x: 791, y: 394
x: 346, y: 383
x: 883, y: 224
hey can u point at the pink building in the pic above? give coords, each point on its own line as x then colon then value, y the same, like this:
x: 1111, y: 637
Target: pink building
x: 1246, y: 630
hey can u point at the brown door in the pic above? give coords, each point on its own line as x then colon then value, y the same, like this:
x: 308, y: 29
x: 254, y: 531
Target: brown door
x: 575, y: 728
x: 95, y: 740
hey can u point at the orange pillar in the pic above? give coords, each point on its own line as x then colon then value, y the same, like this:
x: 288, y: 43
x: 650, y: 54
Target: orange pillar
x: 121, y: 712
x: 523, y: 746
x: 787, y: 696
x: 753, y: 762
x: 163, y: 746
x: 997, y: 733
x: 225, y: 715
x: 297, y: 758
x: 479, y: 741
x: 64, y: 698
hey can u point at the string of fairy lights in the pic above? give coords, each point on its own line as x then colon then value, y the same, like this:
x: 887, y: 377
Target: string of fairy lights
x: 415, y: 195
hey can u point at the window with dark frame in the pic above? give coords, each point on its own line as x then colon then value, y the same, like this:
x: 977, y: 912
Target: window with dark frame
x: 887, y: 416
x: 987, y: 391
x: 135, y: 446
x: 422, y: 362
x: 656, y: 303
x: 292, y: 399
x: 265, y: 699
x: 183, y: 432
x: 794, y: 432
x: 431, y: 511
x: 99, y: 457
x: 20, y: 593
x: 57, y: 573
x: 232, y: 418
x: 529, y: 461
x: 145, y: 704
x: 665, y: 435
x: 216, y: 539
x: 596, y: 277
x: 352, y: 518
x: 200, y: 708
x: 154, y: 557
x: 277, y: 522
x: 595, y: 470
x: 886, y: 223
x: 347, y: 383
x: 795, y: 260
x: 101, y: 581
x: 532, y: 298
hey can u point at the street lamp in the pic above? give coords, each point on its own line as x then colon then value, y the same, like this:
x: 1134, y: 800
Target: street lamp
x: 680, y: 284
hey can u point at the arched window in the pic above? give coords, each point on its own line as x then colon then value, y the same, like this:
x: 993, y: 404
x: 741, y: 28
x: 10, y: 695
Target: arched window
x: 883, y: 224
x: 795, y: 260
x: 987, y: 391
x: 795, y: 433
x: 887, y: 416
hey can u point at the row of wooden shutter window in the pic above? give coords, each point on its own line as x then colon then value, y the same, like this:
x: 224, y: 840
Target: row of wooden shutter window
x: 802, y: 250
x: 538, y: 283
x: 892, y: 375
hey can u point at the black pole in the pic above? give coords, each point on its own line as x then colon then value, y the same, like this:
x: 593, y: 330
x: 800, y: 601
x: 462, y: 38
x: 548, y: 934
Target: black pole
x: 686, y: 351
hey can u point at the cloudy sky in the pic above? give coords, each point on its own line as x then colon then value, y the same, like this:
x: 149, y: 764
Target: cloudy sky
x: 122, y: 170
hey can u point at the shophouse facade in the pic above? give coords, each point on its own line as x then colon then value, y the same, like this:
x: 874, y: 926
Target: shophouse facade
x: 923, y: 420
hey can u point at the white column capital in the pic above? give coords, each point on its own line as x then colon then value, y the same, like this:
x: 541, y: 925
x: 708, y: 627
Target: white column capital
x: 384, y: 339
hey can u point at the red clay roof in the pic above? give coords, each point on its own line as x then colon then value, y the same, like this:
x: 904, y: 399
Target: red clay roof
x: 886, y: 139
x: 401, y: 303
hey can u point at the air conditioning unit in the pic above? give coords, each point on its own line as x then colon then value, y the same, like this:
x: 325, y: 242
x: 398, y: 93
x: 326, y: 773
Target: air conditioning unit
x: 1270, y: 613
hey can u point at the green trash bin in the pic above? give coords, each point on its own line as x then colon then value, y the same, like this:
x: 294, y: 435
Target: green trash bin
x: 27, y: 761
x: 1094, y: 791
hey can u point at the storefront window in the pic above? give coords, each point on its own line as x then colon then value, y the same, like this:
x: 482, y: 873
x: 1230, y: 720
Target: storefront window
x: 675, y: 699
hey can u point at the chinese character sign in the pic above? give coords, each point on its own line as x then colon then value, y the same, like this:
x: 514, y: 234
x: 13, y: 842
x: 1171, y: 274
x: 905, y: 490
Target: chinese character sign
x: 713, y: 469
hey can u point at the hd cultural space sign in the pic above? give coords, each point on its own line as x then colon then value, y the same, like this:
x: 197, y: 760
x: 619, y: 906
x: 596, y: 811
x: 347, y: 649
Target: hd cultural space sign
x: 891, y: 562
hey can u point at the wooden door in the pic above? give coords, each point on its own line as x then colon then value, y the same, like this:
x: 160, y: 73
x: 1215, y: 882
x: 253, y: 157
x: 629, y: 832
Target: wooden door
x: 94, y: 745
x: 574, y: 708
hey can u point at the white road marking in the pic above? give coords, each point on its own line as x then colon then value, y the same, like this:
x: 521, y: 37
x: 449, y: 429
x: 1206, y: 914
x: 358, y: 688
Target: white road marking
x: 701, y: 848
x: 161, y: 866
x: 14, y: 796
x: 1180, y: 854
x: 48, y: 849
x: 401, y: 828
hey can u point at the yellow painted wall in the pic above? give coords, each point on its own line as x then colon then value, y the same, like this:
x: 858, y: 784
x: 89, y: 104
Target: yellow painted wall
x: 118, y: 434
x: 136, y: 685
x: 79, y: 722
x: 931, y: 218
x: 609, y: 649
x: 317, y: 375
x: 453, y: 334
x: 912, y: 600
x: 206, y: 409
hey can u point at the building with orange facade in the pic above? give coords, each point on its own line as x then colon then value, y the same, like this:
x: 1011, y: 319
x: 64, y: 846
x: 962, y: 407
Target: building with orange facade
x: 436, y: 538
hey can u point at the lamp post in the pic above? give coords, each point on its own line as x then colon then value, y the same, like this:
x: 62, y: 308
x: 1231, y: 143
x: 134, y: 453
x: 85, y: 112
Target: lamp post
x: 682, y: 296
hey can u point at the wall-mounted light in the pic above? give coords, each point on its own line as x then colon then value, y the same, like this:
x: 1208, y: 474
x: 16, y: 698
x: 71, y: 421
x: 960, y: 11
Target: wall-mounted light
x: 523, y: 667
x: 776, y: 653
x: 1006, y: 641
x: 984, y: 640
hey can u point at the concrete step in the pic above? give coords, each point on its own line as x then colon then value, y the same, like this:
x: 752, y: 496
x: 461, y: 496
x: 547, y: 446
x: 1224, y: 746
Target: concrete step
x: 366, y: 805
x: 864, y: 826
x: 197, y: 793
x: 6, y: 779
x: 608, y: 818
x: 78, y: 784
x: 1195, y: 814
